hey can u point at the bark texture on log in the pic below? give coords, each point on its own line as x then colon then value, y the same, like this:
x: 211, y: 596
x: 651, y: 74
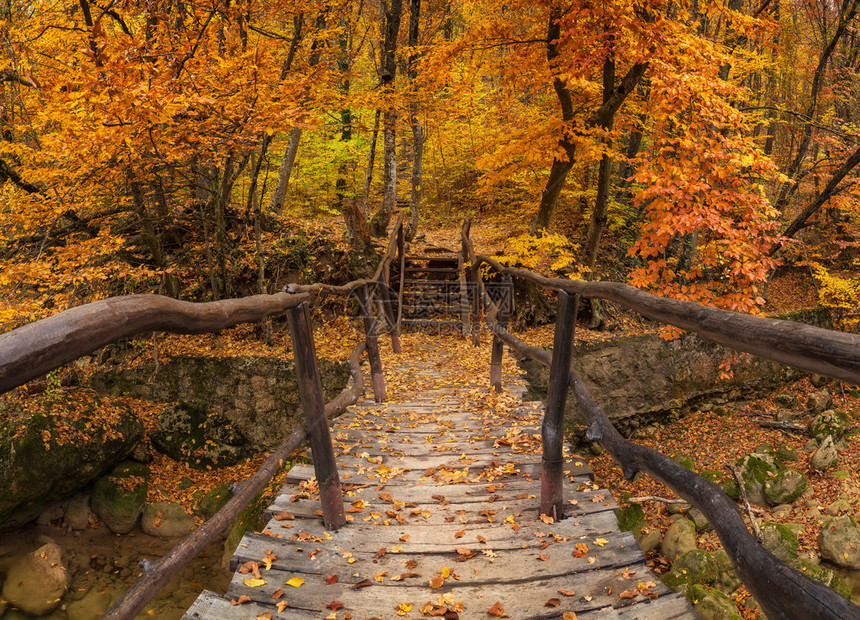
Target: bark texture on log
x: 32, y: 350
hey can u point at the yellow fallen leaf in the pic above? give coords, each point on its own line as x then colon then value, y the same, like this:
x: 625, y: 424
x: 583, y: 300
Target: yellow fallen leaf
x: 254, y: 583
x: 446, y: 572
x: 403, y: 609
x: 295, y: 581
x: 600, y: 542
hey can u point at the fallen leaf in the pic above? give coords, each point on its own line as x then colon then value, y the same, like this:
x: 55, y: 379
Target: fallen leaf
x: 581, y: 550
x: 404, y: 538
x: 542, y: 558
x: 362, y: 584
x: 568, y: 615
x: 497, y: 611
x: 277, y: 594
x: 437, y: 582
x: 266, y: 615
x: 295, y: 581
x: 331, y: 580
x: 600, y: 542
x: 547, y: 519
x: 567, y: 592
x: 254, y: 583
x: 242, y: 599
x: 553, y: 602
x: 403, y: 608
x: 281, y: 606
x: 629, y: 593
x: 379, y: 575
x: 334, y: 605
x: 284, y: 516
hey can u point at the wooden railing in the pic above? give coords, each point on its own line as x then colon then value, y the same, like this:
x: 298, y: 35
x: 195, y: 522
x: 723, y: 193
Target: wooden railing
x: 782, y: 591
x: 38, y: 348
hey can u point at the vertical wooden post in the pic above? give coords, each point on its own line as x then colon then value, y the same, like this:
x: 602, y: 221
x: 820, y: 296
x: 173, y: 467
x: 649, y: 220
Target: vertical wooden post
x: 313, y: 403
x: 401, y: 252
x: 552, y: 429
x: 372, y: 344
x: 499, y: 346
x: 387, y: 300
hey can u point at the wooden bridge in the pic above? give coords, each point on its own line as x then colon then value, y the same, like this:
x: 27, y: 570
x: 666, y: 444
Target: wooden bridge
x: 443, y: 498
x: 448, y: 500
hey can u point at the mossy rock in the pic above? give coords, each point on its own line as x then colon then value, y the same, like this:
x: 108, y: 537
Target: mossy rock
x: 42, y: 466
x: 696, y: 566
x: 830, y: 422
x: 213, y: 501
x: 631, y: 518
x: 756, y: 469
x: 249, y: 520
x: 685, y: 460
x: 784, y: 453
x: 824, y: 575
x: 190, y: 434
x: 727, y: 578
x: 119, y: 497
x: 712, y: 475
x: 785, y: 487
x: 711, y: 604
x: 781, y: 541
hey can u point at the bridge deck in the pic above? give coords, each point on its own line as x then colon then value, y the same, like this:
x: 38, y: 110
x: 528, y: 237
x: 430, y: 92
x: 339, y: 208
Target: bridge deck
x: 442, y: 495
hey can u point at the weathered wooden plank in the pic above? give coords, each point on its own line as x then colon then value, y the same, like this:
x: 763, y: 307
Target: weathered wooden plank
x: 544, y: 556
x: 211, y: 606
x: 592, y: 590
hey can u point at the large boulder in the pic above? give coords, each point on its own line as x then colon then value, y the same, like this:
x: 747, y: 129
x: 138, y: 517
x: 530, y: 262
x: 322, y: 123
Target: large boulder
x: 756, y: 469
x: 118, y: 499
x: 819, y: 401
x: 839, y: 542
x: 46, y: 458
x: 37, y: 581
x: 828, y: 422
x: 258, y: 396
x: 781, y: 541
x: 711, y: 604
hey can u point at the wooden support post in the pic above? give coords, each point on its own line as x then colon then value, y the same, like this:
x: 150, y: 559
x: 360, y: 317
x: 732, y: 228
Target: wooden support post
x: 372, y: 344
x: 552, y: 429
x: 475, y: 310
x: 310, y: 391
x: 499, y: 346
x: 401, y: 252
x: 387, y: 301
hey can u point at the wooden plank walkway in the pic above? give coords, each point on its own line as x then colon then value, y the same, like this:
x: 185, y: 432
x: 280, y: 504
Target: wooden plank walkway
x: 442, y: 494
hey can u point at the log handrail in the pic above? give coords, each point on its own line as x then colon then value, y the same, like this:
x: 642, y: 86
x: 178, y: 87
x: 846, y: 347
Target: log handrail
x: 781, y: 591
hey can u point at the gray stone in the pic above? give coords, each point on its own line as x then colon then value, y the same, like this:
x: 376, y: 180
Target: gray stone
x: 699, y: 566
x: 91, y: 607
x: 679, y: 538
x: 838, y: 507
x: 785, y: 487
x: 785, y: 399
x: 839, y: 542
x: 36, y: 476
x: 188, y: 432
x: 118, y: 499
x: 811, y: 445
x: 781, y: 541
x: 37, y: 581
x: 818, y: 381
x: 77, y: 515
x: 702, y: 524
x: 727, y: 578
x: 819, y: 401
x: 825, y: 456
x: 648, y: 541
x: 783, y: 511
x: 52, y: 513
x: 165, y: 519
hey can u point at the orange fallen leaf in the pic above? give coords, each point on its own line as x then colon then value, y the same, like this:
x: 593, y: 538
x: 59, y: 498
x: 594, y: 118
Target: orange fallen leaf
x: 242, y: 599
x: 277, y: 594
x: 437, y: 582
x: 331, y: 580
x: 498, y: 611
x: 334, y: 605
x: 553, y: 602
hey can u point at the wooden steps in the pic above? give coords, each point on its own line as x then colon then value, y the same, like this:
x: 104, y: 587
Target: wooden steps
x: 433, y: 294
x: 442, y: 496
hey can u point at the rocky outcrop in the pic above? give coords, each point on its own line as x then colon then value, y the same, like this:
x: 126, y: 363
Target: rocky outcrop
x: 40, y: 465
x: 165, y: 519
x: 641, y: 379
x: 257, y: 396
x: 839, y: 542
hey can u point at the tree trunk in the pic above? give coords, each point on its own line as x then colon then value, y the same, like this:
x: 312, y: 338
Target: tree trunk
x: 381, y: 218
x: 286, y: 170
x: 417, y: 129
x: 371, y: 158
